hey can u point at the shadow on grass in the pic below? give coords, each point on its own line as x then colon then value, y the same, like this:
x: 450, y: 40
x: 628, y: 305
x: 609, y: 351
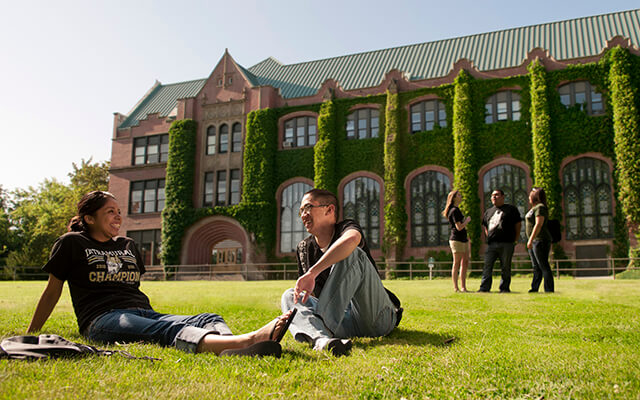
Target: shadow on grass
x: 410, y: 337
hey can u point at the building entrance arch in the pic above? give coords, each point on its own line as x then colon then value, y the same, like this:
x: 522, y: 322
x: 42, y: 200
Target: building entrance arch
x: 215, y: 234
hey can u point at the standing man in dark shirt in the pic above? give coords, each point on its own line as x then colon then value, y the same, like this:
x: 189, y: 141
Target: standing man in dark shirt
x: 501, y: 225
x: 339, y: 294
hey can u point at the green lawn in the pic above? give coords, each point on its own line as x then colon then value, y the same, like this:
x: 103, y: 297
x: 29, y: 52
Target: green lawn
x: 583, y: 342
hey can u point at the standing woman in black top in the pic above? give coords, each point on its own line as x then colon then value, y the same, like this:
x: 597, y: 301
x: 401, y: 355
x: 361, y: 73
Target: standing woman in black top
x: 103, y: 271
x: 458, y: 239
x: 539, y: 240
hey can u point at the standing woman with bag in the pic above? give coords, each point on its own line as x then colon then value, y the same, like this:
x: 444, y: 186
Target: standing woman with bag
x: 458, y: 240
x: 539, y: 240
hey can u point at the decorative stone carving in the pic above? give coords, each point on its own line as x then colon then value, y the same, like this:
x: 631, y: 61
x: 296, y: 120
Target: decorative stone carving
x: 223, y: 110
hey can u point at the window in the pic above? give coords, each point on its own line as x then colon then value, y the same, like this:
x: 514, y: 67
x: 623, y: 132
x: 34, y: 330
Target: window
x: 149, y: 245
x: 299, y: 132
x: 224, y: 139
x: 587, y: 196
x: 222, y: 188
x: 236, y: 138
x: 147, y: 196
x: 362, y: 124
x: 361, y: 202
x: 235, y: 186
x: 151, y: 149
x: 427, y: 114
x: 211, y: 140
x: 208, y: 189
x: 513, y: 182
x: 291, y: 228
x: 429, y: 192
x: 502, y: 106
x: 583, y: 95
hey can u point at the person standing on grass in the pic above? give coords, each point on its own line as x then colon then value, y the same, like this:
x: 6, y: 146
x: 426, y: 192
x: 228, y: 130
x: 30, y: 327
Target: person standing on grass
x: 458, y: 240
x: 501, y: 224
x: 103, y: 271
x: 539, y: 240
x: 339, y: 294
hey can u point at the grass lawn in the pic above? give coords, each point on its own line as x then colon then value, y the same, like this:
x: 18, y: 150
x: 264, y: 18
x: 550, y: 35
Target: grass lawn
x: 583, y: 342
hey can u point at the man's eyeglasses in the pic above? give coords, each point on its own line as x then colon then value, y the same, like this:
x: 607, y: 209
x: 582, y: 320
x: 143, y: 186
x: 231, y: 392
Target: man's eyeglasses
x: 307, y: 208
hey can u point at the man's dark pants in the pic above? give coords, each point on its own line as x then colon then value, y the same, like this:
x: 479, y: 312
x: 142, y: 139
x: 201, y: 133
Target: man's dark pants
x: 504, y: 252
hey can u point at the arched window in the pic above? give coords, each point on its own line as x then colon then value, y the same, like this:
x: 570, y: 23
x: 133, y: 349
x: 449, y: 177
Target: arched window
x: 291, y: 228
x: 299, y: 132
x: 512, y: 181
x: 587, y: 198
x: 428, y: 197
x: 584, y: 95
x: 224, y: 139
x: 361, y: 202
x: 427, y: 114
x: 236, y: 138
x: 211, y: 140
x: 363, y: 123
x: 502, y: 106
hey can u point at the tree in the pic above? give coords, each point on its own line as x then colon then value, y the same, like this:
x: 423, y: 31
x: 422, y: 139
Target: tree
x: 39, y: 215
x: 89, y: 177
x: 6, y: 239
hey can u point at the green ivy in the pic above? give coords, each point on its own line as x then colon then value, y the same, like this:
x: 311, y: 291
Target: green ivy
x: 324, y: 163
x: 544, y: 166
x: 464, y: 168
x: 395, y: 216
x: 258, y: 184
x: 626, y: 127
x: 178, y: 210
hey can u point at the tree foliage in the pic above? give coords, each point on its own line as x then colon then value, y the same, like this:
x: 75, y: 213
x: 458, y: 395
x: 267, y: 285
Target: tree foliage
x: 31, y: 219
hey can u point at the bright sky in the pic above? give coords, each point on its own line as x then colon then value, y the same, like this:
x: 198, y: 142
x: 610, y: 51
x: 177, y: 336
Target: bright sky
x: 67, y: 66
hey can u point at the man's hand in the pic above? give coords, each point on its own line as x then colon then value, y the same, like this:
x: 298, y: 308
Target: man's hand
x: 304, y: 286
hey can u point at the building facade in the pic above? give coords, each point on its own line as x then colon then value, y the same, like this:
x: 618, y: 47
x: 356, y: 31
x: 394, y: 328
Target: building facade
x: 213, y: 170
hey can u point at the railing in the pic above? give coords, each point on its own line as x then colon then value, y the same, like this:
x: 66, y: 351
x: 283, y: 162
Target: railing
x: 388, y: 269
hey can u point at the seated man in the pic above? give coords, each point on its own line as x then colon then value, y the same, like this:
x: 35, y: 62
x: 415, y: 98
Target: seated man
x: 339, y: 294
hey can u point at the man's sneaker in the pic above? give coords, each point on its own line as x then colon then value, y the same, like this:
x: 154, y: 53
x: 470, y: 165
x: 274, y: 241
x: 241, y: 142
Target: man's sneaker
x: 337, y: 347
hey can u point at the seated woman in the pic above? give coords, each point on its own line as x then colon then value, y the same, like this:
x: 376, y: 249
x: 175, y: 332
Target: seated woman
x: 103, y: 271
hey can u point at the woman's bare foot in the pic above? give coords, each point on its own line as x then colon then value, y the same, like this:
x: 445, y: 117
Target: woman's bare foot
x: 273, y: 329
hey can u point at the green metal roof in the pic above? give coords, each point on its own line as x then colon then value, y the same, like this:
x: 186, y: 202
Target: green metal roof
x: 565, y: 40
x: 162, y: 99
x: 576, y: 38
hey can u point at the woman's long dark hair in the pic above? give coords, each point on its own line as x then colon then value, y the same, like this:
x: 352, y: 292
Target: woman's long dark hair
x: 88, y: 205
x: 539, y: 196
x: 452, y: 195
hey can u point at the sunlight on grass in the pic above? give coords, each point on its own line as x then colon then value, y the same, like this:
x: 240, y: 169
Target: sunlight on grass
x: 581, y: 342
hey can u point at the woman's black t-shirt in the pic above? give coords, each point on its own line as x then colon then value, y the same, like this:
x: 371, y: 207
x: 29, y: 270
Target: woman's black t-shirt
x: 455, y: 215
x: 102, y: 276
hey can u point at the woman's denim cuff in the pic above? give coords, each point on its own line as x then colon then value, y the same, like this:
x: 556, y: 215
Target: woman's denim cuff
x: 190, y: 337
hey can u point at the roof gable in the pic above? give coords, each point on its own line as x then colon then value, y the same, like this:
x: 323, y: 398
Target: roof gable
x: 162, y: 100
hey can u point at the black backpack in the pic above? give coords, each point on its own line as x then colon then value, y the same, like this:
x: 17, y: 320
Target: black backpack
x: 555, y: 230
x: 52, y: 346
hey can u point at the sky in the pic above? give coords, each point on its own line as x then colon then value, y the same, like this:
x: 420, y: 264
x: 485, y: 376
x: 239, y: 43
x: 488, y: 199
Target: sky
x: 67, y: 66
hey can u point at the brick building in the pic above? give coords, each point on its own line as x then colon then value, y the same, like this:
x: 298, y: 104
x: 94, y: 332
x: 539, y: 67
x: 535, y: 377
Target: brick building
x: 385, y: 119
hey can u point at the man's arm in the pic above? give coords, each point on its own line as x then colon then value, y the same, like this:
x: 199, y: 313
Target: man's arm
x: 47, y: 303
x: 338, y: 251
x: 518, y: 226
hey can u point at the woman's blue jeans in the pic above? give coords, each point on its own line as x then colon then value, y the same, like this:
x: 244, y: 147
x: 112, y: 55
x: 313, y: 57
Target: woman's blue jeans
x: 138, y: 324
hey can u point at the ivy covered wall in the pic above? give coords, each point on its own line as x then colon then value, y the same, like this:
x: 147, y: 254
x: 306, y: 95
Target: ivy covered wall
x: 546, y: 134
